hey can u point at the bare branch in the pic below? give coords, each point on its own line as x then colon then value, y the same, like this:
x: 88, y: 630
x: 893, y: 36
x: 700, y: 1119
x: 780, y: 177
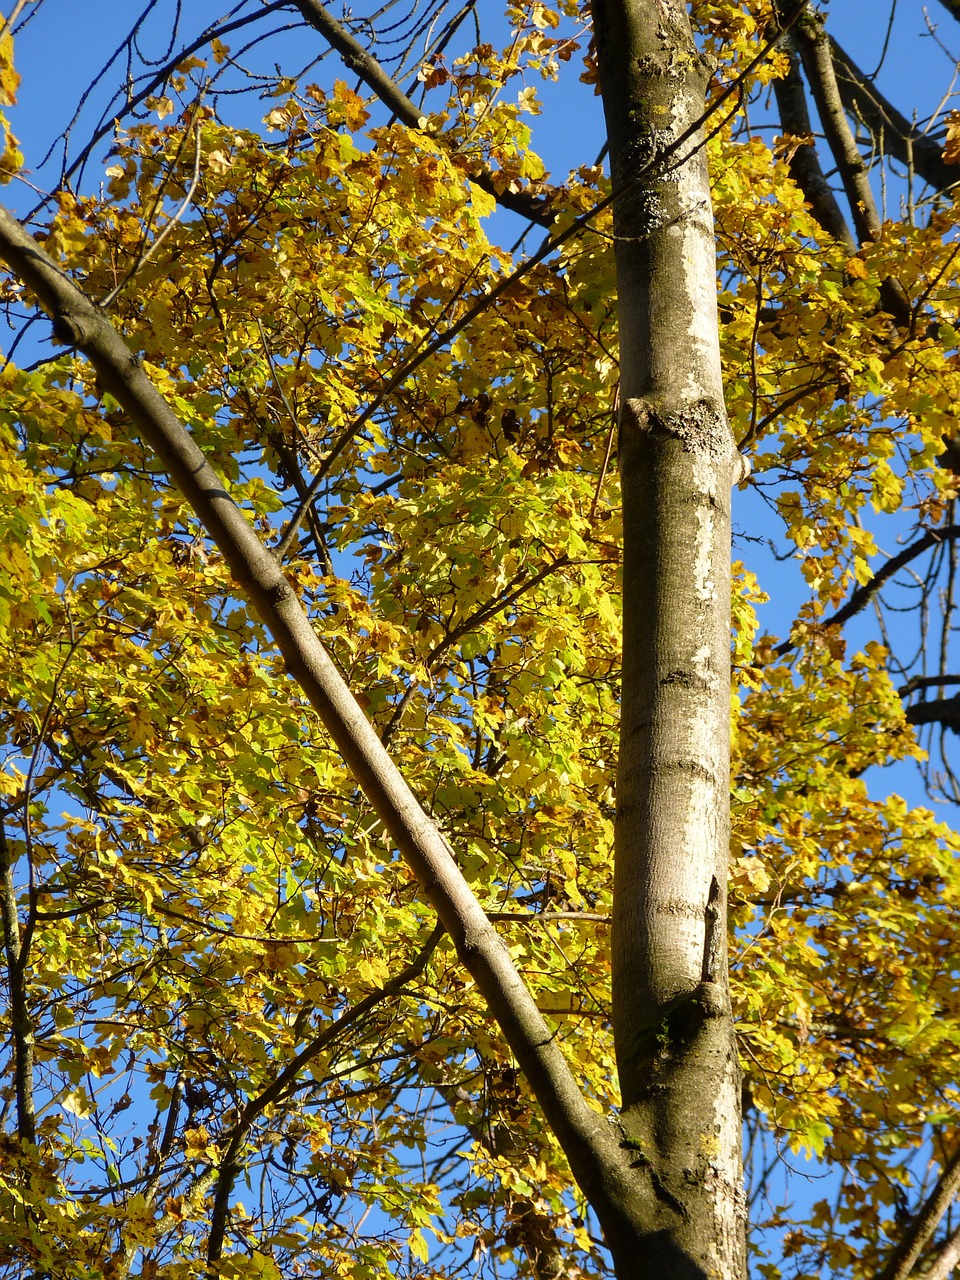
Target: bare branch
x: 815, y: 50
x: 942, y: 711
x: 804, y: 163
x: 863, y: 595
x: 115, y: 113
x: 926, y: 682
x: 901, y: 1262
x: 814, y: 47
x: 899, y: 137
x: 945, y: 1261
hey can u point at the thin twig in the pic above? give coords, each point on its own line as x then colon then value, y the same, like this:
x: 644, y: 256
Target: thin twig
x: 614, y: 423
x: 18, y: 8
x: 146, y: 254
x: 286, y: 1079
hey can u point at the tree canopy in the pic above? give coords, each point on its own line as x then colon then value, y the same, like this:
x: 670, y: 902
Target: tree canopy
x: 237, y: 1041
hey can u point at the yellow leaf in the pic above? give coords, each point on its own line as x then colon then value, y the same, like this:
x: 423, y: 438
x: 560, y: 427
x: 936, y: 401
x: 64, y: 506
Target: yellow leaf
x: 162, y: 106
x: 77, y: 1102
x: 418, y: 1246
x: 9, y: 80
x: 481, y: 201
x: 218, y: 162
x: 951, y: 147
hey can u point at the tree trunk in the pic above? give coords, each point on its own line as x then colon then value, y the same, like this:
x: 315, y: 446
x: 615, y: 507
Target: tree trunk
x: 667, y: 1187
x: 675, y: 1043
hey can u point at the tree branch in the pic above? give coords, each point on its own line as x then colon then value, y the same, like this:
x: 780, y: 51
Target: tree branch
x: 899, y: 137
x: 944, y: 711
x: 904, y: 1257
x: 926, y: 682
x: 18, y: 8
x: 21, y: 1025
x: 814, y: 47
x: 945, y: 1261
x: 533, y: 208
x: 863, y: 595
x: 816, y: 54
x: 591, y: 1145
x: 480, y: 616
x: 804, y: 163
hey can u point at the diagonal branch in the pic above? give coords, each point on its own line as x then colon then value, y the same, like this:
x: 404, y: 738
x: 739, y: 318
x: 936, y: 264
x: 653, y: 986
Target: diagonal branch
x: 945, y: 1261
x: 899, y: 138
x: 901, y: 1262
x: 18, y: 8
x: 816, y: 52
x: 592, y: 1146
x: 533, y: 208
x: 476, y: 619
x: 863, y: 595
x: 805, y: 163
x: 813, y: 45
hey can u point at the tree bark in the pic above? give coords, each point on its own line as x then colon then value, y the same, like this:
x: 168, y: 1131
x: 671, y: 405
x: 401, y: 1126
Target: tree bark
x: 676, y: 1052
x: 814, y: 47
x: 805, y: 168
x: 903, y: 1259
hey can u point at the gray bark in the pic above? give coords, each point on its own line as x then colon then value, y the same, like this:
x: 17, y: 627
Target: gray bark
x: 676, y: 1053
x: 900, y: 1265
x: 805, y: 168
x: 814, y: 46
